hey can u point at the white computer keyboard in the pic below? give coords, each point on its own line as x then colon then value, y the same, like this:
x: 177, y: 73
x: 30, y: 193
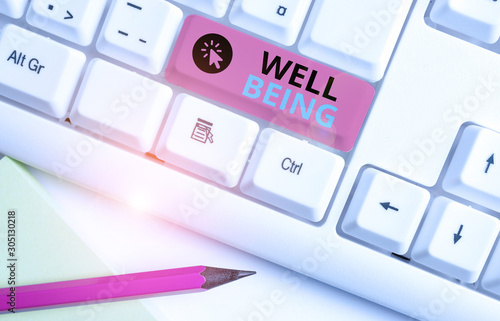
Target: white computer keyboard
x: 352, y: 141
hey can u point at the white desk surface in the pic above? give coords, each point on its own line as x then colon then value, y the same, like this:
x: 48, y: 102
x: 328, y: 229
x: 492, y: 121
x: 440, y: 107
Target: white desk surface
x: 128, y: 241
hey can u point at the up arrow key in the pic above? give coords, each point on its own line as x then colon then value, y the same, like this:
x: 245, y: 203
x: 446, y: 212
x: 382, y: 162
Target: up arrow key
x: 490, y: 162
x: 473, y: 173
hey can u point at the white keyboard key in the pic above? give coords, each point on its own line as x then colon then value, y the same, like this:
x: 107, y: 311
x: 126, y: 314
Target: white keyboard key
x: 293, y: 175
x: 121, y: 105
x: 278, y: 20
x: 479, y: 19
x: 140, y: 32
x: 357, y: 36
x: 13, y: 8
x: 456, y: 239
x: 385, y: 211
x: 75, y: 20
x: 216, y: 8
x: 474, y: 172
x: 207, y: 140
x: 37, y: 71
x: 491, y: 277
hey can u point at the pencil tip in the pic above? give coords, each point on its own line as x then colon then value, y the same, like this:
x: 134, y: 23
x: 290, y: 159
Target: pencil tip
x: 217, y: 276
x: 242, y: 274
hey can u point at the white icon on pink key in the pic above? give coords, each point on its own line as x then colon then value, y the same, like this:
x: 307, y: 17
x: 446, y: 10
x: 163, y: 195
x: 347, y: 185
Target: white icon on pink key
x: 212, y: 53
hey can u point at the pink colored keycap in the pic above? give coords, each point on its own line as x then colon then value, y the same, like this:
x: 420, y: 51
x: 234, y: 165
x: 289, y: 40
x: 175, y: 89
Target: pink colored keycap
x: 319, y: 102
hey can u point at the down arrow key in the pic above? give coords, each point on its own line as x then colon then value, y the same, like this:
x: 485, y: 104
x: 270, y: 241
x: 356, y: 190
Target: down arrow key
x: 457, y: 236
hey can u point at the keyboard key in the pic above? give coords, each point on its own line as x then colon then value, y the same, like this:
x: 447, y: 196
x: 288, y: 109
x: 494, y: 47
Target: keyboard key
x: 140, y: 32
x: 292, y: 175
x: 216, y: 8
x: 278, y: 20
x: 456, y: 239
x: 13, y: 8
x: 476, y: 19
x: 37, y: 71
x: 474, y: 172
x: 385, y: 211
x: 75, y: 21
x: 271, y: 83
x: 362, y: 34
x: 207, y: 140
x: 121, y: 105
x: 491, y: 277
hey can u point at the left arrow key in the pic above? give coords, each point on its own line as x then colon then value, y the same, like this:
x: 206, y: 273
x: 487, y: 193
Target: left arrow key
x: 390, y: 225
x: 387, y: 206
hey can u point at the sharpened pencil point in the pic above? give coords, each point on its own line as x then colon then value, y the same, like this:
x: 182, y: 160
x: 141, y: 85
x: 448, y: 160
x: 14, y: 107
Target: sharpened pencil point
x: 243, y: 274
x: 217, y: 276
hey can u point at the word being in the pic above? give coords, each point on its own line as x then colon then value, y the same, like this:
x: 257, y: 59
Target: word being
x: 274, y: 91
x: 19, y: 59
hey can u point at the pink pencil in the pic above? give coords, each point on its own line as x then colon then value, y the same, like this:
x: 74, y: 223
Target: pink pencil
x: 96, y: 290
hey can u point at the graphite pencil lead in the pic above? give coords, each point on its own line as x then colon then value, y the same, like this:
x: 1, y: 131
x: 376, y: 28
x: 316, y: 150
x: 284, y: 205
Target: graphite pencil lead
x: 243, y: 274
x: 217, y: 276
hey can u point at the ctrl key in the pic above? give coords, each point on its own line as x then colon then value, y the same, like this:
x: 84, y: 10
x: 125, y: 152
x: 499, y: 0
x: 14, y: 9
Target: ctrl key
x: 37, y: 71
x: 292, y: 175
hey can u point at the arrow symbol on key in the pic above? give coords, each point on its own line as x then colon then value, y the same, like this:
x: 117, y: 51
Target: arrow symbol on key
x: 490, y: 162
x: 69, y: 16
x: 215, y: 59
x: 387, y: 206
x: 457, y: 236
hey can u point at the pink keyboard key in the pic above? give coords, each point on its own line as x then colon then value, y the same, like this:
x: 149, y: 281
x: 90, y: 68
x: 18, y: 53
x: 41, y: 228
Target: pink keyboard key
x: 291, y: 91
